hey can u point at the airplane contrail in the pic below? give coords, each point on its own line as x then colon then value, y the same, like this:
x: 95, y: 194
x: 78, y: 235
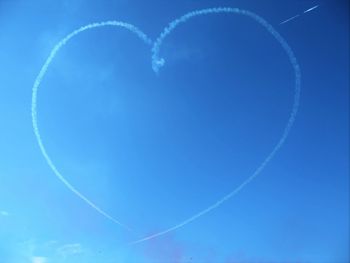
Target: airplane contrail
x: 294, y: 17
x: 289, y: 19
x: 310, y: 9
x: 158, y: 62
x: 36, y: 85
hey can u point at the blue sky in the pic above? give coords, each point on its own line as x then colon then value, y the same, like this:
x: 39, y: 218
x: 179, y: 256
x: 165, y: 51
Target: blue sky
x: 154, y: 149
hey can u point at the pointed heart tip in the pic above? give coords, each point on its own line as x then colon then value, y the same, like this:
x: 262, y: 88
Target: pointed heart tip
x: 158, y: 64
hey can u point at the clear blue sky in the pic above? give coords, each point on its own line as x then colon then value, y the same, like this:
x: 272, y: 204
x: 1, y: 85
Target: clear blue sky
x: 152, y: 150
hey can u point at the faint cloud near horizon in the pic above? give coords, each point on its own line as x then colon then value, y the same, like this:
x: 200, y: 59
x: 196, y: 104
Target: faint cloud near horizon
x: 69, y: 249
x: 4, y: 213
x: 39, y: 259
x: 52, y: 251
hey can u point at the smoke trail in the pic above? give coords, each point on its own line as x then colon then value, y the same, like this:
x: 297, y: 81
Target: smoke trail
x: 36, y: 85
x: 158, y: 62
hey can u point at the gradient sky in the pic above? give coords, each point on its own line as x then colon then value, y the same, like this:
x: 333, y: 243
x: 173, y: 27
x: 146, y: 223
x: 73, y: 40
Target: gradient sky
x: 152, y: 150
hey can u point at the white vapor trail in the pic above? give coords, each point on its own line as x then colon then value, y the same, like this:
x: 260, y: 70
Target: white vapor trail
x: 36, y: 85
x: 310, y: 9
x: 294, y: 17
x: 158, y: 62
x: 289, y: 19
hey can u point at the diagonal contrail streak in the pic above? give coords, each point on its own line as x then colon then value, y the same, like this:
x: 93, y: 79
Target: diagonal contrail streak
x: 289, y: 19
x: 296, y: 16
x: 310, y: 9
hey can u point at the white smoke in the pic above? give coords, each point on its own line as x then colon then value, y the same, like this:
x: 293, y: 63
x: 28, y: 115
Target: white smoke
x: 157, y: 63
x: 156, y: 66
x: 36, y: 85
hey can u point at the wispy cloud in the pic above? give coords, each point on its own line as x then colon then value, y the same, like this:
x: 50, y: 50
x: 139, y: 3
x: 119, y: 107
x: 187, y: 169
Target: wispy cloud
x: 4, y: 213
x: 39, y: 259
x: 52, y: 251
x: 69, y: 249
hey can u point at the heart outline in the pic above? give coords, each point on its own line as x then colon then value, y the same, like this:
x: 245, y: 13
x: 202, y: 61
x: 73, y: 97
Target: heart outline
x: 157, y: 63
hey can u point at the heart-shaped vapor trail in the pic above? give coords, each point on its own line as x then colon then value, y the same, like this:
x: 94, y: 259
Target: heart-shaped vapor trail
x: 36, y: 85
x: 157, y: 63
